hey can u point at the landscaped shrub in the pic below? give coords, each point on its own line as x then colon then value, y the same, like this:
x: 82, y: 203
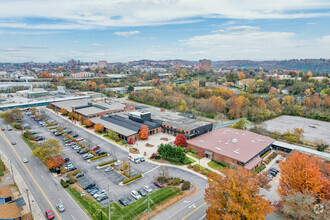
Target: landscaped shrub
x: 270, y: 158
x: 64, y: 184
x: 224, y: 164
x: 189, y: 166
x: 106, y: 163
x: 132, y: 179
x: 17, y: 126
x: 176, y: 182
x: 259, y: 169
x: 26, y: 134
x: 117, y: 139
x: 70, y: 181
x: 125, y: 142
x: 99, y: 157
x: 185, y: 185
x: 133, y: 150
x: 31, y: 138
x: 130, y: 142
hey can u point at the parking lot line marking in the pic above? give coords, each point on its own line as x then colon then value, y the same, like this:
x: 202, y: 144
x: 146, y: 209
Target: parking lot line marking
x: 5, y: 138
x: 193, y: 211
x: 151, y: 170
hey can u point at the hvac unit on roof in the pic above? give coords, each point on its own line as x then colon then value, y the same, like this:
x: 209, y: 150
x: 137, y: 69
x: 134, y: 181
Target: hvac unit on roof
x: 243, y: 134
x: 261, y: 140
x: 234, y: 140
x: 219, y: 141
x: 218, y: 148
x: 201, y: 141
x: 236, y: 151
x: 253, y: 141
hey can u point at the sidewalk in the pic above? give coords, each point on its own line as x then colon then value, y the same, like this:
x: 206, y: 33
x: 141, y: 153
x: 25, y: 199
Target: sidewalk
x: 204, y: 162
x: 36, y: 212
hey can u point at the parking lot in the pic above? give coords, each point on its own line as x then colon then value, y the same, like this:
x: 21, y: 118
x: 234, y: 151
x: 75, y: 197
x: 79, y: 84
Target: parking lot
x: 102, y: 179
x: 313, y: 129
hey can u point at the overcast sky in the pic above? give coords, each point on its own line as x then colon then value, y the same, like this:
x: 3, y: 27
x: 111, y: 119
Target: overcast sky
x: 125, y: 30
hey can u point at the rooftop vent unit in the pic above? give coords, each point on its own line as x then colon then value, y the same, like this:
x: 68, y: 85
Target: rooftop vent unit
x: 228, y: 130
x: 243, y: 134
x: 234, y: 140
x: 237, y: 132
x: 262, y: 140
x: 219, y: 141
x: 236, y: 151
x: 253, y: 141
x: 218, y: 148
x: 201, y: 141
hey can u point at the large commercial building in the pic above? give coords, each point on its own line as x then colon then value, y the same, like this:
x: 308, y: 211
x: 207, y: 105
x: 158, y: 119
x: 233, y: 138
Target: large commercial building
x: 88, y: 109
x: 235, y: 147
x: 204, y: 65
x: 128, y: 123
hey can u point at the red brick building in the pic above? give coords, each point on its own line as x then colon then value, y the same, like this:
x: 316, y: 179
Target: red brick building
x: 235, y: 147
x: 204, y: 65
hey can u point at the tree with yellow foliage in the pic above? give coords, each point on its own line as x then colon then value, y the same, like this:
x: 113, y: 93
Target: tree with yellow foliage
x: 241, y: 76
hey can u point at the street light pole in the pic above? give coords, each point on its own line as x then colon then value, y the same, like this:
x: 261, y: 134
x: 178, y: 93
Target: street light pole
x: 110, y: 203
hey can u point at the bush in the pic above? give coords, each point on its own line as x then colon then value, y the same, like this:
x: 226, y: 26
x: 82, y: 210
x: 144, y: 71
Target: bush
x: 70, y: 181
x: 153, y: 155
x: 189, y: 166
x: 106, y: 163
x: 176, y: 182
x: 130, y: 142
x: 31, y: 138
x: 132, y: 179
x: 224, y: 164
x: 64, y: 184
x: 117, y: 139
x: 185, y: 185
x: 125, y: 142
x: 17, y: 126
x: 26, y: 134
x: 259, y: 169
x: 98, y: 157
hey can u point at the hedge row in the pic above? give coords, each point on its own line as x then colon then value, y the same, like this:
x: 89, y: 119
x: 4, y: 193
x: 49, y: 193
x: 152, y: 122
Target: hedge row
x: 259, y: 169
x: 106, y: 163
x: 98, y: 157
x: 132, y: 179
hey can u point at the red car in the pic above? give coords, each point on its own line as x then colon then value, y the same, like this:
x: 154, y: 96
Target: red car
x: 39, y: 138
x: 2, y: 129
x: 95, y: 148
x: 159, y: 184
x: 49, y: 214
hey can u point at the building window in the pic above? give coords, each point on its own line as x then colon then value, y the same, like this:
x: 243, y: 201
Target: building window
x: 240, y: 163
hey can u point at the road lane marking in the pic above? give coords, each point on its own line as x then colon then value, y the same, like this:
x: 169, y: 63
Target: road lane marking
x: 60, y: 200
x: 151, y: 170
x: 6, y: 139
x: 193, y: 211
x: 50, y: 188
x: 192, y: 206
x: 73, y: 217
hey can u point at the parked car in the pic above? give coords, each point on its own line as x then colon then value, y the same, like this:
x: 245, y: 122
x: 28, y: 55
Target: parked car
x: 147, y: 189
x: 108, y: 169
x: 102, y: 197
x: 142, y: 159
x: 79, y: 139
x: 33, y: 133
x: 274, y: 170
x: 100, y: 152
x: 95, y: 148
x: 82, y: 151
x: 60, y: 207
x: 58, y: 134
x: 3, y: 129
x: 123, y: 201
x: 74, y: 135
x: 9, y: 128
x: 135, y: 195
x: 159, y: 184
x: 66, y: 159
x: 49, y: 214
x: 39, y: 138
x: 118, y: 162
x: 94, y: 191
x: 90, y: 189
x: 98, y: 194
x: 272, y: 173
x: 142, y: 192
x: 78, y: 175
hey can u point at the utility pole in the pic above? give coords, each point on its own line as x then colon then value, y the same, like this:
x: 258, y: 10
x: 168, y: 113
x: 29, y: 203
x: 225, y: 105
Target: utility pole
x: 148, y: 207
x: 101, y: 215
x: 27, y: 193
x: 110, y: 203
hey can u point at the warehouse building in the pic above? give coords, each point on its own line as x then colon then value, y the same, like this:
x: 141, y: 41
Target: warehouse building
x: 232, y: 146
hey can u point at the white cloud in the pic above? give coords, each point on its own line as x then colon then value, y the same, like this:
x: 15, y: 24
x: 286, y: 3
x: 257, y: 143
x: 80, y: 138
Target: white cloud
x: 126, y: 33
x: 245, y: 42
x: 98, y: 14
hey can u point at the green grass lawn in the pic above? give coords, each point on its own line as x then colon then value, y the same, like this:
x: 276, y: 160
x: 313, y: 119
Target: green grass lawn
x: 193, y: 155
x: 201, y: 167
x: 214, y: 165
x: 138, y: 207
x: 132, y: 211
x: 29, y: 143
x: 119, y: 142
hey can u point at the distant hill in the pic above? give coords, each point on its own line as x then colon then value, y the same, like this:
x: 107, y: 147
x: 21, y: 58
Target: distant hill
x: 314, y: 65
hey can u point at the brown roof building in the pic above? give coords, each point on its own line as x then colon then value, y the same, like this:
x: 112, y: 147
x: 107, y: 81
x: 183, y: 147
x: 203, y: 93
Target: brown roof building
x: 232, y: 146
x: 5, y: 194
x: 10, y: 211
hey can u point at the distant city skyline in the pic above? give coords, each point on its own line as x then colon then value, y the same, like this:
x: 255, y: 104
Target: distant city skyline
x: 120, y: 31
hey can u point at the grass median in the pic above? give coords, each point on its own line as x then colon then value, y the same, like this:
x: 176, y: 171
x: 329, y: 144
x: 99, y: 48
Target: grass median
x: 28, y: 143
x: 214, y: 165
x: 132, y: 211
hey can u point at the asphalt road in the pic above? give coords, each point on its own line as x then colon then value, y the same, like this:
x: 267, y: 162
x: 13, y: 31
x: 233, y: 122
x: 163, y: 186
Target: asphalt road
x: 46, y: 191
x: 193, y: 207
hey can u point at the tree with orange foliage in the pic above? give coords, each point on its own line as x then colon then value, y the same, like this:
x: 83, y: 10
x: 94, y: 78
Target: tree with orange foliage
x: 309, y: 74
x: 235, y: 195
x: 98, y: 128
x: 275, y: 106
x: 144, y: 132
x: 241, y: 76
x: 261, y: 104
x: 80, y: 118
x: 63, y: 111
x: 54, y: 162
x: 88, y: 123
x: 301, y: 173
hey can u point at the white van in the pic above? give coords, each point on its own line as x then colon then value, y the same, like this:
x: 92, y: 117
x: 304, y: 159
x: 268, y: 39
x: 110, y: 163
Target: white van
x: 134, y: 158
